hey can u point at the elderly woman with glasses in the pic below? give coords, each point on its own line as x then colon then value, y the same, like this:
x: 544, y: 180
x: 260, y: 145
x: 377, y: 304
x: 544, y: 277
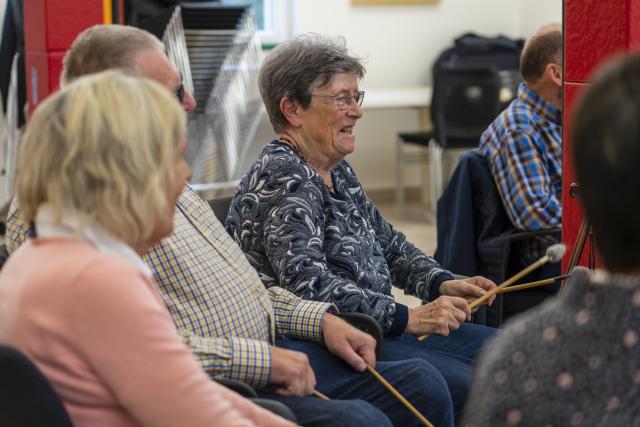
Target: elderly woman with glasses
x: 306, y: 224
x: 101, y: 167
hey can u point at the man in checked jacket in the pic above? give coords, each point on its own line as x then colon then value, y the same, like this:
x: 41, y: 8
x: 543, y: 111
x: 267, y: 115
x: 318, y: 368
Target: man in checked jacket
x: 284, y: 346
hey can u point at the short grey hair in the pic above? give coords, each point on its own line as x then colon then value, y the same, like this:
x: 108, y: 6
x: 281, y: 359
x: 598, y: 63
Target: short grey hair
x: 105, y: 47
x: 295, y: 68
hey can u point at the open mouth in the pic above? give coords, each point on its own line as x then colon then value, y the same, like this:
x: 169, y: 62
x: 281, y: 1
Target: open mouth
x: 347, y: 130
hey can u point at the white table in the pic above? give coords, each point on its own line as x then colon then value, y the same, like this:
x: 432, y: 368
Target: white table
x: 397, y: 97
x: 418, y: 97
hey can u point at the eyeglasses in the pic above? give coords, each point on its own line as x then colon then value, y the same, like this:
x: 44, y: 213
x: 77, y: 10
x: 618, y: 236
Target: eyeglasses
x: 180, y: 90
x: 344, y: 101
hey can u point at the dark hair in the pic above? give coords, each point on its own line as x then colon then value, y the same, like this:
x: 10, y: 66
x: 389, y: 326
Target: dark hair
x: 294, y: 68
x: 606, y: 150
x: 540, y: 50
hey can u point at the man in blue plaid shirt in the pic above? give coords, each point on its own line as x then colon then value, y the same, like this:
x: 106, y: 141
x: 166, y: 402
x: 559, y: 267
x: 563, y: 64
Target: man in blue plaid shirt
x: 524, y: 145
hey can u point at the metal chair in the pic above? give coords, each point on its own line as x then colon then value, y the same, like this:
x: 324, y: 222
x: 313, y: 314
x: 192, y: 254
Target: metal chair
x: 465, y: 102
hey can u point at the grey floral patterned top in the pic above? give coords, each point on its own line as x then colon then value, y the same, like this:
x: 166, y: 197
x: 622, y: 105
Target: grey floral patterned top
x: 574, y: 361
x: 325, y: 246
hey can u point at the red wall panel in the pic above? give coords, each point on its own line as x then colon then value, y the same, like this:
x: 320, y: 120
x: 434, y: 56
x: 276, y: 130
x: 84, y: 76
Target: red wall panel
x: 634, y: 25
x: 50, y: 28
x: 53, y: 24
x: 571, y: 209
x: 594, y: 30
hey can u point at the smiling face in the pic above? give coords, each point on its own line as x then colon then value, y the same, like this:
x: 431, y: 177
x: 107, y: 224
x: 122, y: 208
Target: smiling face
x: 327, y: 128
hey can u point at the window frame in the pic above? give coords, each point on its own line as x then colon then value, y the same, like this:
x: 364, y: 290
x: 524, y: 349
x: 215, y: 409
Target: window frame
x: 278, y: 21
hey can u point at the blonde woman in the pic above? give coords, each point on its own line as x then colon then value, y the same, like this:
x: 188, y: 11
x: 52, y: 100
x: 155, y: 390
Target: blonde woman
x: 100, y: 170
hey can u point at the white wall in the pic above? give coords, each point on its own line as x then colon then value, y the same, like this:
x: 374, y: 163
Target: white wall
x: 533, y: 13
x: 399, y: 44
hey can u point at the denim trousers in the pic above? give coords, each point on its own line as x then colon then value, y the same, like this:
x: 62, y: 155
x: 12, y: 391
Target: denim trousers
x: 358, y: 399
x: 452, y: 357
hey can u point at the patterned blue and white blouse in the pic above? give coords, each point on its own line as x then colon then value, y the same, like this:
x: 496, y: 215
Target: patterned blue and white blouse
x: 326, y: 246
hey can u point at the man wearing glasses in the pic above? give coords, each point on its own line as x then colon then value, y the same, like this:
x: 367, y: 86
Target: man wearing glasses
x: 218, y: 302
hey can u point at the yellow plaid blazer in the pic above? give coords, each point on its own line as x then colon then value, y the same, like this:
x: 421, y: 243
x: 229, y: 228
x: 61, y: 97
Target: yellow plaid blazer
x: 218, y: 303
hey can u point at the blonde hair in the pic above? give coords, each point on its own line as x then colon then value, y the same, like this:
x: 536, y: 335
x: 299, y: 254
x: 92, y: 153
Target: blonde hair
x: 104, y: 47
x: 105, y: 147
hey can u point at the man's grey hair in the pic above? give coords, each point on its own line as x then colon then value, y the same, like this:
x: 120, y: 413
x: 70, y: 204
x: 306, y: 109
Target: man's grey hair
x: 105, y: 47
x: 295, y: 68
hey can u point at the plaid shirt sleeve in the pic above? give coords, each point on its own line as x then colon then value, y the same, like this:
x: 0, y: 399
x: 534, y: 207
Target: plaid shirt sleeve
x: 298, y: 318
x: 17, y: 228
x: 239, y: 359
x: 525, y: 185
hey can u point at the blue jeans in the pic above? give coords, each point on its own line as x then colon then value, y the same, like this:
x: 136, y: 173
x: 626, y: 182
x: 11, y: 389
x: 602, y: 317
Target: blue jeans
x: 358, y: 399
x: 452, y: 356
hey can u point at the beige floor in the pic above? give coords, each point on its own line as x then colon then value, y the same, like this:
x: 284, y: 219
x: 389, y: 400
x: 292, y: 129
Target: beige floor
x: 420, y: 233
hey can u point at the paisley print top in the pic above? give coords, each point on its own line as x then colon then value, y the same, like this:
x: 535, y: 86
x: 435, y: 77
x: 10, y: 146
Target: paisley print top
x: 326, y: 246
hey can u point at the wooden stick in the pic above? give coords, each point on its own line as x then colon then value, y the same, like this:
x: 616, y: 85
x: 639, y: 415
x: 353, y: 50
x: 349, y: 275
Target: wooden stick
x: 319, y: 395
x: 399, y: 396
x: 544, y: 282
x: 578, y: 247
x: 475, y: 303
x: 539, y: 263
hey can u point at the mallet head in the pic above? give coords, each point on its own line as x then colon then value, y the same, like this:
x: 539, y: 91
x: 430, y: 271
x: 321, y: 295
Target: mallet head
x: 556, y: 252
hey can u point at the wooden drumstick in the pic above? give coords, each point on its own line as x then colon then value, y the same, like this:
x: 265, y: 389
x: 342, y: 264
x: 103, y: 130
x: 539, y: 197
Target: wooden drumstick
x: 554, y: 254
x: 319, y: 395
x: 529, y: 285
x: 399, y: 396
x: 393, y: 391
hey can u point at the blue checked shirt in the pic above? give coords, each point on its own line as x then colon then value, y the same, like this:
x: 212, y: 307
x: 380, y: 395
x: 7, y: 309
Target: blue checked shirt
x: 524, y: 149
x: 217, y: 301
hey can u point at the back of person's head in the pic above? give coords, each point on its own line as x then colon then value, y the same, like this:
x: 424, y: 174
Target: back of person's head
x: 543, y: 48
x: 105, y: 147
x: 295, y: 68
x: 104, y: 47
x: 606, y: 151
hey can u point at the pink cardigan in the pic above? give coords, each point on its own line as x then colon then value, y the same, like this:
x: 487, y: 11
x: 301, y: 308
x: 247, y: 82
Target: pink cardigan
x: 97, y: 329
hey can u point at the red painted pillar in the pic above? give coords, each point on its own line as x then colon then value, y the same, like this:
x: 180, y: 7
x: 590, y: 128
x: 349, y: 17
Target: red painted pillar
x: 594, y: 30
x: 50, y: 27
